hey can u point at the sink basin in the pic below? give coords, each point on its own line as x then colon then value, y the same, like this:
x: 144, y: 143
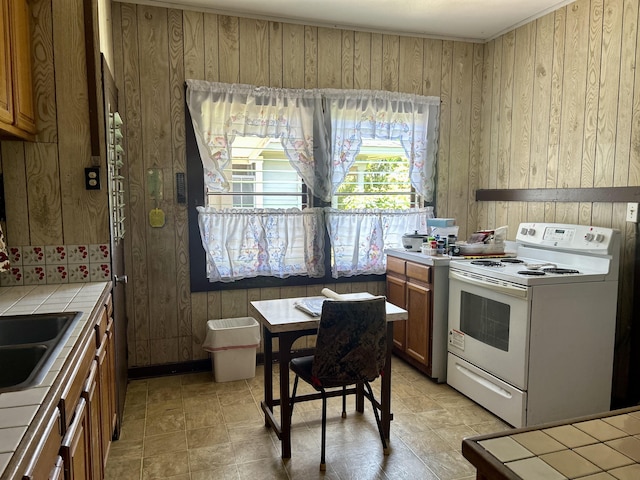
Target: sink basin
x: 38, y: 328
x: 29, y: 344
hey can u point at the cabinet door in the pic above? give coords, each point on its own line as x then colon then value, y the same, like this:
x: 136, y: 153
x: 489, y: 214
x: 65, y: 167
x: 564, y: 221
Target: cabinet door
x: 6, y: 95
x: 419, y: 306
x: 76, y: 446
x: 46, y: 454
x: 111, y: 366
x: 105, y: 402
x: 91, y: 394
x: 396, y: 295
x: 24, y: 111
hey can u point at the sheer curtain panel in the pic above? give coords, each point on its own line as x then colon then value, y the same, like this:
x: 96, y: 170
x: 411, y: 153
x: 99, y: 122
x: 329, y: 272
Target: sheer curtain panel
x: 220, y: 111
x: 269, y: 242
x: 359, y: 237
x: 366, y: 114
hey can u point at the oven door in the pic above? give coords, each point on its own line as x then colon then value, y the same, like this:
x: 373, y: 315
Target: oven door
x: 489, y: 325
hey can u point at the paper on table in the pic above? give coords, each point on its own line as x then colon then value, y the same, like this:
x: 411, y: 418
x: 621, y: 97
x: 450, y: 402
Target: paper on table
x: 313, y: 306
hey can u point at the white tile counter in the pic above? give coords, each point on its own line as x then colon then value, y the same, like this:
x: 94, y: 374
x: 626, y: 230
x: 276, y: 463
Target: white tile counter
x: 18, y: 409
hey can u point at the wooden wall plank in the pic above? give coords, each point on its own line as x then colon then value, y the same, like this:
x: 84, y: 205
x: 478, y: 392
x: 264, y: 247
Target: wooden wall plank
x: 347, y: 59
x: 212, y: 32
x: 541, y: 112
x: 362, y: 61
x: 293, y: 61
x: 310, y: 57
x: 137, y: 288
x: 475, y: 137
x: 276, y: 54
x: 43, y: 74
x: 193, y: 44
x: 496, y: 73
x: 178, y: 150
x: 458, y: 188
x: 555, y: 114
x: 410, y: 65
x: 254, y: 51
x: 15, y: 193
x: 432, y: 67
x: 43, y: 190
x: 444, y: 142
x: 377, y: 60
x: 156, y: 138
x: 505, y: 127
x: 484, y: 148
x: 390, y: 60
x: 229, y: 49
x: 329, y: 58
x: 525, y: 43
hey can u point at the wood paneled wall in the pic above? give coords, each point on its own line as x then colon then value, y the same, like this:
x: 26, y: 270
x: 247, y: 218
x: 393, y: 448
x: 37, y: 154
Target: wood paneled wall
x: 561, y: 109
x: 554, y: 103
x: 156, y: 49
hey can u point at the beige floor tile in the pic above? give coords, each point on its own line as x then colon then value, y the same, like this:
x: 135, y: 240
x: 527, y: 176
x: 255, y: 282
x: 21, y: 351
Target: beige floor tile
x: 188, y: 427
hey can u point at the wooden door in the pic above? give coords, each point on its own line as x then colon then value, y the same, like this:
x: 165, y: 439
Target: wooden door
x: 396, y: 295
x: 76, y: 446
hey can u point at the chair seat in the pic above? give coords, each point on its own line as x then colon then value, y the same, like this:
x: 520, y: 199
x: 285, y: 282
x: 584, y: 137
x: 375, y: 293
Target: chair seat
x: 302, y: 366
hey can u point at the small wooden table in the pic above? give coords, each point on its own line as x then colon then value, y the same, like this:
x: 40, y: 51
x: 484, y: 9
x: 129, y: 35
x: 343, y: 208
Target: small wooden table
x: 282, y: 320
x: 605, y: 445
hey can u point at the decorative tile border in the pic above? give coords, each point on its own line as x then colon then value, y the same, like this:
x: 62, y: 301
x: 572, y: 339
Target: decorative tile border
x: 56, y: 264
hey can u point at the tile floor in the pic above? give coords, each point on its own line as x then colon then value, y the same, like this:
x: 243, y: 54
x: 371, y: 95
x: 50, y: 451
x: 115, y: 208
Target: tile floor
x: 187, y: 427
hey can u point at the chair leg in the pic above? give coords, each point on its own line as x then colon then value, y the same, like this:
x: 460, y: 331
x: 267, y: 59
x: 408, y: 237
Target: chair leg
x: 292, y: 400
x: 344, y: 402
x: 375, y: 412
x: 323, y: 465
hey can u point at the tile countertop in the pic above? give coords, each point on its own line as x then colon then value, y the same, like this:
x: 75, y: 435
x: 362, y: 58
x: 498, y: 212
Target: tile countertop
x: 18, y: 409
x: 418, y: 257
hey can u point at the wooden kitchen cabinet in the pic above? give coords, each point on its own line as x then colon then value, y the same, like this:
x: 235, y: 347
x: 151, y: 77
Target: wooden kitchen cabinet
x: 17, y: 108
x: 409, y: 286
x: 45, y: 459
x: 76, y: 445
x: 91, y: 394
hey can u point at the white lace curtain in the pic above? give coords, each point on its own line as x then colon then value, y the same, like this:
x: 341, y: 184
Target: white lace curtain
x: 367, y: 114
x: 267, y: 242
x: 359, y: 237
x: 220, y: 111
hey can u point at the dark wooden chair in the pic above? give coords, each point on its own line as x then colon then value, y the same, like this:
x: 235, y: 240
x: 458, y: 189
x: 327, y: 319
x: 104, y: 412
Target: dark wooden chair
x: 350, y: 350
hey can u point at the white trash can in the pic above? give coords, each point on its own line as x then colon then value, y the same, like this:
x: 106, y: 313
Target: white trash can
x: 233, y: 343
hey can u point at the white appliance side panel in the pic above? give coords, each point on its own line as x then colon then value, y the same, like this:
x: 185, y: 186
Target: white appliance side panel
x: 571, y: 351
x: 498, y: 397
x: 440, y: 326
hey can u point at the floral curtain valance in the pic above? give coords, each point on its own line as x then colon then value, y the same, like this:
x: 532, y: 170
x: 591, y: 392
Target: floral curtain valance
x: 220, y: 111
x: 365, y: 114
x: 262, y: 242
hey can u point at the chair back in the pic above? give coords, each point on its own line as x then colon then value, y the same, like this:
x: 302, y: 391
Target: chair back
x: 352, y: 342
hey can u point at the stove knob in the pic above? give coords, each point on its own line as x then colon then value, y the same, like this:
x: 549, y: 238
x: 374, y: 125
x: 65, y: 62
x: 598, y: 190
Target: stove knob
x: 523, y: 231
x: 531, y: 231
x: 599, y: 237
x: 589, y: 237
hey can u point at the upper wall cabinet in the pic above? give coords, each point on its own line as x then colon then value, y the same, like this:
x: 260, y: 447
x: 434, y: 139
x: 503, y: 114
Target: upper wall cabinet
x: 17, y: 112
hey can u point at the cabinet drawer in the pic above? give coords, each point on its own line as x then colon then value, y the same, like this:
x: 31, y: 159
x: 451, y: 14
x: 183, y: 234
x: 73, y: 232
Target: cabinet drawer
x: 101, y: 326
x: 395, y: 265
x: 419, y: 272
x: 45, y: 458
x: 71, y: 394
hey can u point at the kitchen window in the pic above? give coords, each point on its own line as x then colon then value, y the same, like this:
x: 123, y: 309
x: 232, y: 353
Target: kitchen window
x: 273, y: 153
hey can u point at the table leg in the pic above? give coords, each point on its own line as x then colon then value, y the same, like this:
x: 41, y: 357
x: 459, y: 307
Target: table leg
x: 385, y: 393
x: 268, y: 370
x: 284, y: 354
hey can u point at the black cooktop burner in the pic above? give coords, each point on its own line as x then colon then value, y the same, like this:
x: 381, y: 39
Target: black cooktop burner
x: 531, y: 272
x: 511, y: 260
x: 560, y: 271
x: 487, y: 263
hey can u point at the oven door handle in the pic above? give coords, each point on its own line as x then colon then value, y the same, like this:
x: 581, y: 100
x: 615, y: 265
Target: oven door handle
x: 496, y: 287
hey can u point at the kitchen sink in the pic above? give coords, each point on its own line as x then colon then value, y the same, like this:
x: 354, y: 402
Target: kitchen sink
x: 29, y: 344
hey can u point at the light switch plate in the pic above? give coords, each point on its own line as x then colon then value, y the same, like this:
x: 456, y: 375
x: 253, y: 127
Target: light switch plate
x: 632, y: 212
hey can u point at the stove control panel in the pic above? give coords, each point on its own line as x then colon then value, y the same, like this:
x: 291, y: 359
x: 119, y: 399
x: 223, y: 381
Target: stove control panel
x: 572, y: 237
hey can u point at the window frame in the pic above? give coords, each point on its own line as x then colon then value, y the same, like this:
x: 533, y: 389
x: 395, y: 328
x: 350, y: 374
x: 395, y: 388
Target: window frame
x: 197, y: 258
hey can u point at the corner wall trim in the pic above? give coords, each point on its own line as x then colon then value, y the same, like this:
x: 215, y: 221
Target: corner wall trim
x: 605, y: 194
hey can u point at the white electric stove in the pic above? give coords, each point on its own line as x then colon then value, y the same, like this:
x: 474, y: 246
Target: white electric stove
x: 531, y: 338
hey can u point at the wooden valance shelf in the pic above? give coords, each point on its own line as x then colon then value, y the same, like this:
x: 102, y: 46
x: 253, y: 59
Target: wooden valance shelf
x: 606, y: 194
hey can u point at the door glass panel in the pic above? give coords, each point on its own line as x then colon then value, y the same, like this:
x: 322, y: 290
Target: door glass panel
x: 485, y: 320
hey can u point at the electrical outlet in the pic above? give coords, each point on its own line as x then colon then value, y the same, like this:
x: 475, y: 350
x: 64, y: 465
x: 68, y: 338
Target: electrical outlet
x: 92, y: 178
x: 632, y: 212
